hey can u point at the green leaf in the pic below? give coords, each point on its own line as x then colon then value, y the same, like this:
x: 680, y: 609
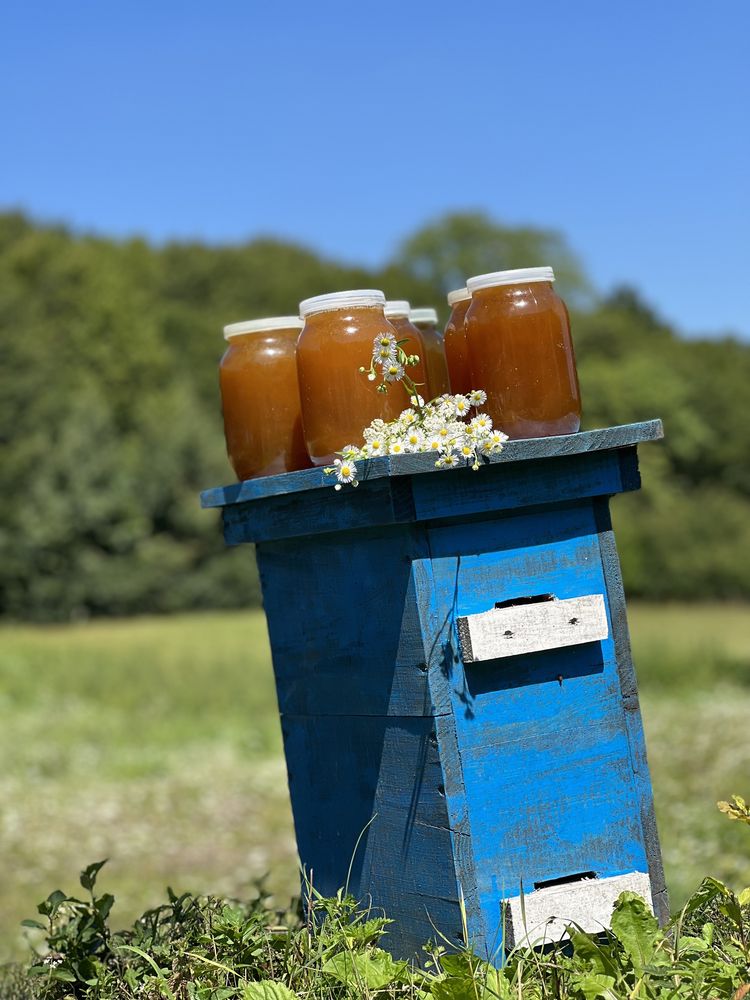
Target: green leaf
x: 636, y: 928
x: 34, y: 923
x: 744, y: 897
x: 706, y: 892
x: 469, y: 978
x: 64, y: 975
x: 690, y: 944
x: 52, y: 901
x: 373, y: 969
x: 267, y: 989
x: 594, y: 985
x: 88, y: 875
x: 104, y: 904
x: 587, y: 950
x: 736, y: 809
x: 460, y: 963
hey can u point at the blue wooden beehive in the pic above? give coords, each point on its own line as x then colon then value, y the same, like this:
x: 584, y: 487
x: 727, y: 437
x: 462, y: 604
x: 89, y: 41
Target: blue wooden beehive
x: 457, y: 696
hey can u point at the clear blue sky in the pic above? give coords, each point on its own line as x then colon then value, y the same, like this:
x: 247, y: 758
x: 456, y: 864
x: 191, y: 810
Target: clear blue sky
x: 347, y: 125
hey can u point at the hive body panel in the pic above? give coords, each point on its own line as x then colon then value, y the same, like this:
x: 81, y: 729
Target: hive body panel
x: 425, y: 779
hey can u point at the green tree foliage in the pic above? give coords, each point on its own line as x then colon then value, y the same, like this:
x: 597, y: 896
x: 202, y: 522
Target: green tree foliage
x: 456, y: 246
x: 110, y: 420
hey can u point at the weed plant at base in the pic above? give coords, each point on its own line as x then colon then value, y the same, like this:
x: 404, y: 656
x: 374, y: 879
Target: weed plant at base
x: 204, y: 948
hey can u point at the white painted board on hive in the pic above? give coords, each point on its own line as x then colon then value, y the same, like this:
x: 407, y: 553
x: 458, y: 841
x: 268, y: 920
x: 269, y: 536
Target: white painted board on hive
x: 546, y: 913
x: 530, y: 628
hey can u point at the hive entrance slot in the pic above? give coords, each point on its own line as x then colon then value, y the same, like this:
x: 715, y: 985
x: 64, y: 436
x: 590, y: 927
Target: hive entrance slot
x: 515, y: 602
x: 565, y: 880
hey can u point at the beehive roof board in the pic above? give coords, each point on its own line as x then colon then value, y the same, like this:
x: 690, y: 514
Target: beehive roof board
x: 601, y: 439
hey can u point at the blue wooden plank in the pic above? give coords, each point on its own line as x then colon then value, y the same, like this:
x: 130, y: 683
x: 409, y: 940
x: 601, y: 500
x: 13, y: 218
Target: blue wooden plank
x: 397, y: 465
x: 541, y: 748
x: 476, y: 777
x: 379, y: 782
x: 451, y: 494
x: 525, y: 484
x: 383, y: 501
x: 629, y: 693
x: 342, y: 619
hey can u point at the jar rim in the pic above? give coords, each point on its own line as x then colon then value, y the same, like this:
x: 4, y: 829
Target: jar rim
x: 423, y: 315
x: 458, y: 295
x: 518, y: 276
x: 397, y: 309
x: 262, y: 325
x: 362, y: 298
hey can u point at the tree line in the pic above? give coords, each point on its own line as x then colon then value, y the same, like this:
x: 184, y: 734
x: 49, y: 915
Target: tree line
x: 111, y: 425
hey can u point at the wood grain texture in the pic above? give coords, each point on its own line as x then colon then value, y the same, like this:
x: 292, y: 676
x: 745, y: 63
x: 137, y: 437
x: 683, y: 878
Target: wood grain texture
x: 429, y: 779
x: 329, y: 658
x: 530, y: 628
x: 368, y: 805
x: 631, y: 708
x: 452, y: 494
x: 541, y: 744
x: 545, y: 915
x: 601, y: 439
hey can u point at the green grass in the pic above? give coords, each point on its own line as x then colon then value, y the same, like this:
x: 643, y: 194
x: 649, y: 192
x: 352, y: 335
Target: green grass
x: 155, y: 742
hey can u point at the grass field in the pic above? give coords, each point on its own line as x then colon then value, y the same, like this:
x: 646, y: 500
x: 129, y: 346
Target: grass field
x: 155, y: 742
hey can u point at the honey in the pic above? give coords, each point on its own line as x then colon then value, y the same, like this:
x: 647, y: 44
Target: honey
x: 260, y: 397
x: 438, y: 381
x: 521, y: 353
x: 337, y: 401
x: 456, y: 348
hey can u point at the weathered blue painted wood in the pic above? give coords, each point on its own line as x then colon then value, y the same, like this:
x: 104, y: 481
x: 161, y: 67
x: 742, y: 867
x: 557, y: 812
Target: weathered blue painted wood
x: 450, y: 493
x: 629, y: 689
x: 461, y: 781
x: 601, y: 439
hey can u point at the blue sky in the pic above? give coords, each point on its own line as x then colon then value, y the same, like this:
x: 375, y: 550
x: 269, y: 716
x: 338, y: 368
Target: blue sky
x: 347, y: 125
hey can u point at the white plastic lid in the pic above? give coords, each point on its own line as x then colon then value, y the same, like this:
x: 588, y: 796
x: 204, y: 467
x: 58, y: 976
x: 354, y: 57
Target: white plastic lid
x: 423, y: 316
x: 459, y: 295
x: 520, y: 276
x: 397, y: 308
x: 259, y: 325
x: 360, y: 298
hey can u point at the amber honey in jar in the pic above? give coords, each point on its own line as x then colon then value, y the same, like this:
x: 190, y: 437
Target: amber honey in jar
x: 456, y: 348
x: 260, y: 397
x: 338, y: 402
x: 397, y: 314
x: 521, y: 352
x: 426, y: 321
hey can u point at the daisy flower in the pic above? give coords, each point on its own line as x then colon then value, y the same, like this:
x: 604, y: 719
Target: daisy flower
x: 397, y: 447
x: 461, y: 405
x: 414, y: 439
x: 346, y: 470
x: 384, y: 340
x: 433, y: 443
x: 447, y: 461
x: 377, y: 428
x: 393, y: 371
x: 376, y: 447
x: 477, y: 397
x: 349, y: 452
x: 497, y: 440
x: 481, y: 424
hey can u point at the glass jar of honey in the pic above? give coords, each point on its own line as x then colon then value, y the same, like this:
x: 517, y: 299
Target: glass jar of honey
x: 426, y: 320
x: 338, y: 402
x: 260, y: 397
x: 456, y: 348
x: 521, y: 352
x: 397, y: 314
